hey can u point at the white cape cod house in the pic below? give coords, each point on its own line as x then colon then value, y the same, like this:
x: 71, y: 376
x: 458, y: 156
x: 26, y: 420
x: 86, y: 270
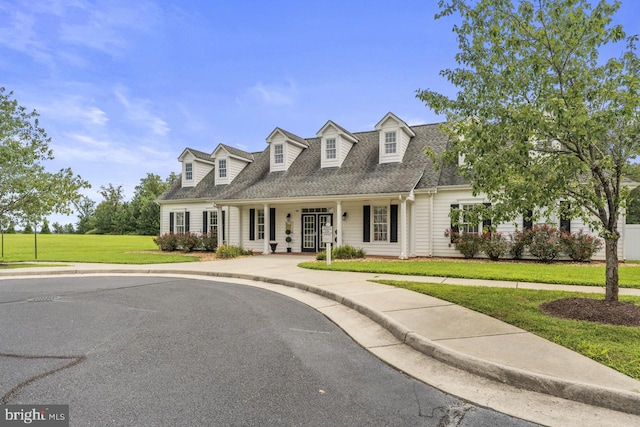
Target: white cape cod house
x: 378, y: 190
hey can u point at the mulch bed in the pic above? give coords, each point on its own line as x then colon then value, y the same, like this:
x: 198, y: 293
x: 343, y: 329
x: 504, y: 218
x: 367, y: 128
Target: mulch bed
x: 594, y: 310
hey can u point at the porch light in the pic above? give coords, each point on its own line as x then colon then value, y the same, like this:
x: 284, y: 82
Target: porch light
x: 344, y: 216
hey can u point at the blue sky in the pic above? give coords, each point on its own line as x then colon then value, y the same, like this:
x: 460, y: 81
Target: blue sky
x: 123, y: 87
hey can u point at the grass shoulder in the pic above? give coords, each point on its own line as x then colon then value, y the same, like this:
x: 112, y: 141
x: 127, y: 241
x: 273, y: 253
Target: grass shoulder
x: 565, y: 273
x: 615, y: 346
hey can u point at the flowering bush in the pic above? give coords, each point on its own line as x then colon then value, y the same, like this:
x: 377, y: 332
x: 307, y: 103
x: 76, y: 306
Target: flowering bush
x: 188, y: 241
x: 468, y: 244
x: 545, y: 244
x: 166, y: 242
x: 519, y: 241
x: 494, y: 245
x: 579, y: 246
x: 209, y: 242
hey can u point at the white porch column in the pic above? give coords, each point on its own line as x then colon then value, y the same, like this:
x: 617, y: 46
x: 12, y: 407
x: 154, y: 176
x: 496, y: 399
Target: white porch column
x: 338, y: 222
x: 403, y: 229
x: 267, y: 223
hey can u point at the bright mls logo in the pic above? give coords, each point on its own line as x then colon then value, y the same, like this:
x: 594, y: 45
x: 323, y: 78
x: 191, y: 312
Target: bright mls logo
x: 35, y: 415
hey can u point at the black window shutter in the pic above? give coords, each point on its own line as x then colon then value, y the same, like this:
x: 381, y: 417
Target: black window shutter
x: 272, y: 223
x: 486, y: 223
x: 454, y: 228
x: 366, y: 223
x: 393, y: 235
x: 224, y: 226
x: 205, y: 223
x: 565, y: 222
x: 186, y: 222
x: 170, y: 222
x: 527, y: 220
x: 252, y: 224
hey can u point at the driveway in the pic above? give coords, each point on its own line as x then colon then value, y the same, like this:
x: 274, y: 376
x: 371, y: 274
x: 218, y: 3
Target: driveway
x: 166, y: 351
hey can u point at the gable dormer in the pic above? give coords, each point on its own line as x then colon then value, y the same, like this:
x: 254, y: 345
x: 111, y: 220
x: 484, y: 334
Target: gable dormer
x: 335, y: 144
x: 229, y: 163
x: 284, y: 149
x: 195, y: 166
x: 394, y: 136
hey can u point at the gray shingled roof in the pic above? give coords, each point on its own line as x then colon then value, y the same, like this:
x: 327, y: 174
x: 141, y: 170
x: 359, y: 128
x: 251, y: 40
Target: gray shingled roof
x: 360, y: 174
x: 293, y: 137
x: 200, y: 154
x: 237, y: 152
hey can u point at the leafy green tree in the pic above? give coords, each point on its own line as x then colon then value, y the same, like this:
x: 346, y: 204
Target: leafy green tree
x: 538, y: 115
x: 68, y: 229
x: 45, y: 227
x: 57, y: 228
x: 143, y: 205
x: 27, y: 190
x: 106, y: 210
x: 27, y: 229
x: 633, y: 206
x: 86, y: 209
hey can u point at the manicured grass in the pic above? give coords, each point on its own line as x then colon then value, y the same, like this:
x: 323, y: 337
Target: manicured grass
x: 86, y: 248
x: 558, y: 273
x: 615, y: 346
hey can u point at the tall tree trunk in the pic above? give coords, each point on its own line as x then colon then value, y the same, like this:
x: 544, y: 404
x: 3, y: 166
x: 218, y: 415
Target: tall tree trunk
x: 611, y: 252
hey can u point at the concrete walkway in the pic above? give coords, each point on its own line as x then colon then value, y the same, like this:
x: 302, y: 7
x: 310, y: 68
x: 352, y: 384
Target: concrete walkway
x: 448, y: 333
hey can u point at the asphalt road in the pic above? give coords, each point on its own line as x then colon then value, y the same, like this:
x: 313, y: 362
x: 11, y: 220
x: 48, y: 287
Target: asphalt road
x: 158, y: 351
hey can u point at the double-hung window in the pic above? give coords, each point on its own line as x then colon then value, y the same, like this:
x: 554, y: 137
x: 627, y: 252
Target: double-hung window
x: 188, y: 171
x: 278, y: 154
x: 390, y: 143
x: 213, y: 222
x: 380, y: 224
x: 331, y: 148
x: 260, y: 224
x: 179, y: 222
x: 222, y: 168
x: 467, y: 224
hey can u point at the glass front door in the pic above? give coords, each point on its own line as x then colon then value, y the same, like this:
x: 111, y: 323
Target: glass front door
x: 311, y: 230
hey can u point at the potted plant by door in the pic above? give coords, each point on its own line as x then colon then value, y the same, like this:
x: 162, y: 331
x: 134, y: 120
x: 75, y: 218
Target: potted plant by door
x: 288, y: 240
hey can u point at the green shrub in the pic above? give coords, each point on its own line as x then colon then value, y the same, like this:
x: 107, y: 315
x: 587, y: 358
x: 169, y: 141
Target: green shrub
x: 346, y: 252
x: 188, y: 241
x: 230, y: 251
x: 579, y: 247
x: 166, y: 242
x: 545, y: 244
x: 209, y: 242
x: 342, y: 252
x: 494, y: 245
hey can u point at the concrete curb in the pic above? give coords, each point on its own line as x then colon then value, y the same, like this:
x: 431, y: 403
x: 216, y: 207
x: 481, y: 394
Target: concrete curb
x: 618, y: 400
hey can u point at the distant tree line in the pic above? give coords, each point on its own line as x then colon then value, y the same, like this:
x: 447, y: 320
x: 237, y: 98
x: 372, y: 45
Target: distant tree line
x: 114, y: 215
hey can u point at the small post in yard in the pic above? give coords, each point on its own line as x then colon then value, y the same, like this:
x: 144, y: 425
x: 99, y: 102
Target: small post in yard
x: 327, y: 237
x: 35, y: 239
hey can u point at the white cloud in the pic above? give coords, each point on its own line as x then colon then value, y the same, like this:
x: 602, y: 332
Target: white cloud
x: 137, y: 111
x: 73, y: 109
x: 20, y: 35
x: 276, y: 95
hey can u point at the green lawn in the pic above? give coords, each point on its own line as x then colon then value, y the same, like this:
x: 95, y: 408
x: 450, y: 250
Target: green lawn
x: 615, y: 346
x: 558, y: 273
x: 86, y: 248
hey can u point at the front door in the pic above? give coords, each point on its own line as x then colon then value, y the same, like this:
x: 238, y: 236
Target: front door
x: 311, y: 225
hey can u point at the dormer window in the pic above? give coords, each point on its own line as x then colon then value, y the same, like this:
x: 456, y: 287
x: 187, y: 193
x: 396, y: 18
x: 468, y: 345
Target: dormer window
x: 331, y: 148
x: 390, y: 143
x: 278, y: 153
x: 188, y: 171
x: 222, y: 168
x: 394, y: 136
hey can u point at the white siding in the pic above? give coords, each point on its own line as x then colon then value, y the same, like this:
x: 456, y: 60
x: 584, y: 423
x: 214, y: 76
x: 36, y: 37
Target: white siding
x: 291, y: 152
x: 275, y: 167
x: 200, y: 170
x: 422, y: 231
x: 402, y: 141
x: 188, y: 158
x: 337, y: 161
